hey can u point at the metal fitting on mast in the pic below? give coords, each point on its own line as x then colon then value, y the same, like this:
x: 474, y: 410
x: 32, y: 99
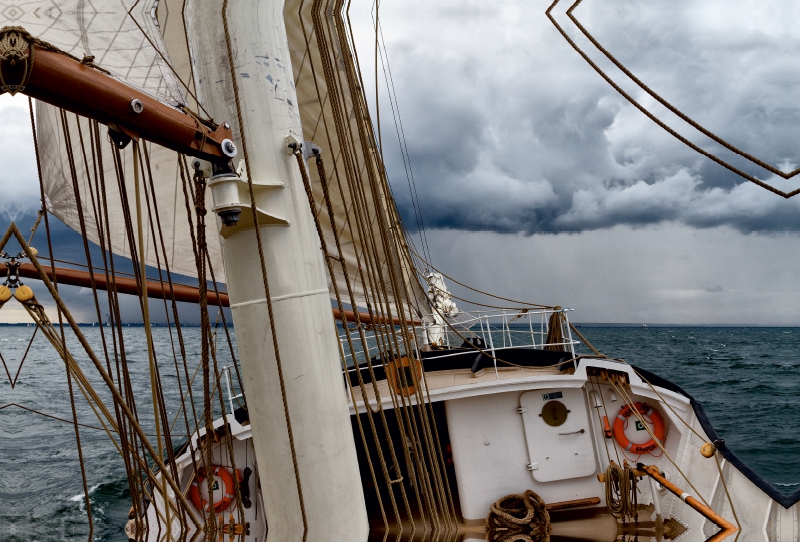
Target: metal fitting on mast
x: 224, y: 183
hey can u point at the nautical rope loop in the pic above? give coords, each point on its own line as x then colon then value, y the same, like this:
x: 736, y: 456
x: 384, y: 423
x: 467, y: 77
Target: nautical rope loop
x: 522, y: 518
x: 621, y: 491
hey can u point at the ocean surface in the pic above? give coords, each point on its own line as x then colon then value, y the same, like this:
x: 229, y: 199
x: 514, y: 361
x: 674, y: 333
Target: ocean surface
x: 746, y: 379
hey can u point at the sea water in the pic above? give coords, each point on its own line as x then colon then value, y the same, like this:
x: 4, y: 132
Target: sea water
x: 745, y: 378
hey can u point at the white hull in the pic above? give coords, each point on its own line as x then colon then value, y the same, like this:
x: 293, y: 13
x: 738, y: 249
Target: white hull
x: 501, y: 446
x: 243, y: 457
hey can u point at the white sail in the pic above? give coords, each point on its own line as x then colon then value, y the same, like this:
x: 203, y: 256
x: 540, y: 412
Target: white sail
x: 353, y: 165
x: 130, y: 46
x: 150, y: 52
x: 122, y: 35
x: 169, y: 204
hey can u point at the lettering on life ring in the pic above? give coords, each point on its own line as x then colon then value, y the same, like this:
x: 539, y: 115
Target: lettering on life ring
x: 621, y: 422
x: 228, y: 495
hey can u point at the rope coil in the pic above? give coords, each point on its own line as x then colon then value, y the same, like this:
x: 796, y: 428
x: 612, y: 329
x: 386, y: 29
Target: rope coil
x: 522, y: 518
x: 621, y: 491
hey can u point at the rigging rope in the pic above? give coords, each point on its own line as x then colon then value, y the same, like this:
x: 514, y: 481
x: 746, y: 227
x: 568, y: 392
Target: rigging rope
x: 382, y: 271
x: 13, y: 381
x: 133, y: 443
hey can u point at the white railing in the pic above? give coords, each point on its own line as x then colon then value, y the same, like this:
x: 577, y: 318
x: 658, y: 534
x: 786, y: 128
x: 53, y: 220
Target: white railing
x: 515, y: 328
x: 226, y: 374
x: 504, y: 328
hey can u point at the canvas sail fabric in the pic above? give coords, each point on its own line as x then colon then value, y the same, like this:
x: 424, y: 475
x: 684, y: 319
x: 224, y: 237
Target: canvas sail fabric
x: 353, y: 164
x: 148, y: 50
x: 169, y: 198
x: 131, y: 47
x: 122, y: 43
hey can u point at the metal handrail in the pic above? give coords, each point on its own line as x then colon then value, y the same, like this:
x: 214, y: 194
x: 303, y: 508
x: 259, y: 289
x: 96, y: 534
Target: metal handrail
x: 226, y: 370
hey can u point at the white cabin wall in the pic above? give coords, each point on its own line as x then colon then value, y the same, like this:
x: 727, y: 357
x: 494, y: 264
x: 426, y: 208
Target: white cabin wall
x: 488, y: 472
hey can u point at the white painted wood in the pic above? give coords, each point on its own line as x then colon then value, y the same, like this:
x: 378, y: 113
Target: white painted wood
x: 490, y: 456
x: 560, y: 452
x: 323, y: 438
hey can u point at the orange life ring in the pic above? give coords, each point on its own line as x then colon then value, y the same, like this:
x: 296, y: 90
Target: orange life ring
x: 403, y: 374
x: 227, y: 497
x: 622, y: 420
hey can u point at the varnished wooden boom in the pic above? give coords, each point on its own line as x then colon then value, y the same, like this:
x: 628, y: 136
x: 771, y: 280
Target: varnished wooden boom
x: 159, y: 290
x: 33, y: 68
x: 726, y: 529
x: 124, y: 285
x: 61, y: 81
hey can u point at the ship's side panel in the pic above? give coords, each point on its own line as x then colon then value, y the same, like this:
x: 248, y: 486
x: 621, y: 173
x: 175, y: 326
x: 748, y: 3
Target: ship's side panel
x: 491, y: 459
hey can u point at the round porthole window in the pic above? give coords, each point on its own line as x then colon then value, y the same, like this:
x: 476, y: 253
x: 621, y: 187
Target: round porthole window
x: 554, y: 413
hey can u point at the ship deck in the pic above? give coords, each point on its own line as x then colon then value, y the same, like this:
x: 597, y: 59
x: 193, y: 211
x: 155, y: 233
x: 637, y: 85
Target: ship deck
x: 439, y: 384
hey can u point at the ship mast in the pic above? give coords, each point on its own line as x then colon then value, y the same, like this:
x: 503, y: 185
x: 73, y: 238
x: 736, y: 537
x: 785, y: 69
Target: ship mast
x: 302, y: 436
x: 318, y: 496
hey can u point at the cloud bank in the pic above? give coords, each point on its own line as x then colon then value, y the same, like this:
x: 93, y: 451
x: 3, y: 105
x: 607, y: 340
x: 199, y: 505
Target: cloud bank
x: 19, y: 181
x: 509, y: 130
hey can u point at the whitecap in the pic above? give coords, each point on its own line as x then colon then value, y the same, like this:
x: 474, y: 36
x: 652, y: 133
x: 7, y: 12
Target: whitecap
x: 79, y: 497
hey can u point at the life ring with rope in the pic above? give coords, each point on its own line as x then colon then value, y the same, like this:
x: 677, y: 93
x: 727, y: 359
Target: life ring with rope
x: 228, y: 495
x: 621, y: 422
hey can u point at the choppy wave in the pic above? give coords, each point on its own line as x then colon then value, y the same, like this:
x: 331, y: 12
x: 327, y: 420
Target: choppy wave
x: 41, y: 488
x: 745, y: 378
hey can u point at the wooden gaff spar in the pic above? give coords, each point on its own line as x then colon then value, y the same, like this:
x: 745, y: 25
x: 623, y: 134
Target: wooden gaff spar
x: 180, y: 292
x: 37, y: 70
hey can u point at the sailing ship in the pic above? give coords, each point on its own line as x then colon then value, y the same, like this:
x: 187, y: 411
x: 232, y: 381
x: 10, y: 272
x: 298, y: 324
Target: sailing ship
x: 362, y: 401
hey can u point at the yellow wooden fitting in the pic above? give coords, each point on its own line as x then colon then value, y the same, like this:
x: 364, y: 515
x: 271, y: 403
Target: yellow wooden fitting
x: 32, y: 252
x: 23, y: 294
x: 707, y: 450
x: 5, y: 293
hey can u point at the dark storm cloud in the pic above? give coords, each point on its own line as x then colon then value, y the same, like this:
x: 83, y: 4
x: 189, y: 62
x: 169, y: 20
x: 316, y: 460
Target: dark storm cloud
x: 18, y: 179
x: 508, y: 129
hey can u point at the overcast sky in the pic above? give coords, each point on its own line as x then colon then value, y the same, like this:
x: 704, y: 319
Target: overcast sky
x: 537, y: 180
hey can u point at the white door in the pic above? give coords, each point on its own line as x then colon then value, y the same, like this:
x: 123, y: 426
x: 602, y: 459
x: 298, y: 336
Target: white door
x: 558, y: 434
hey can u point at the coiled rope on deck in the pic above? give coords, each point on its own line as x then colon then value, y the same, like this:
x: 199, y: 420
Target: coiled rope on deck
x: 621, y: 491
x: 517, y: 517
